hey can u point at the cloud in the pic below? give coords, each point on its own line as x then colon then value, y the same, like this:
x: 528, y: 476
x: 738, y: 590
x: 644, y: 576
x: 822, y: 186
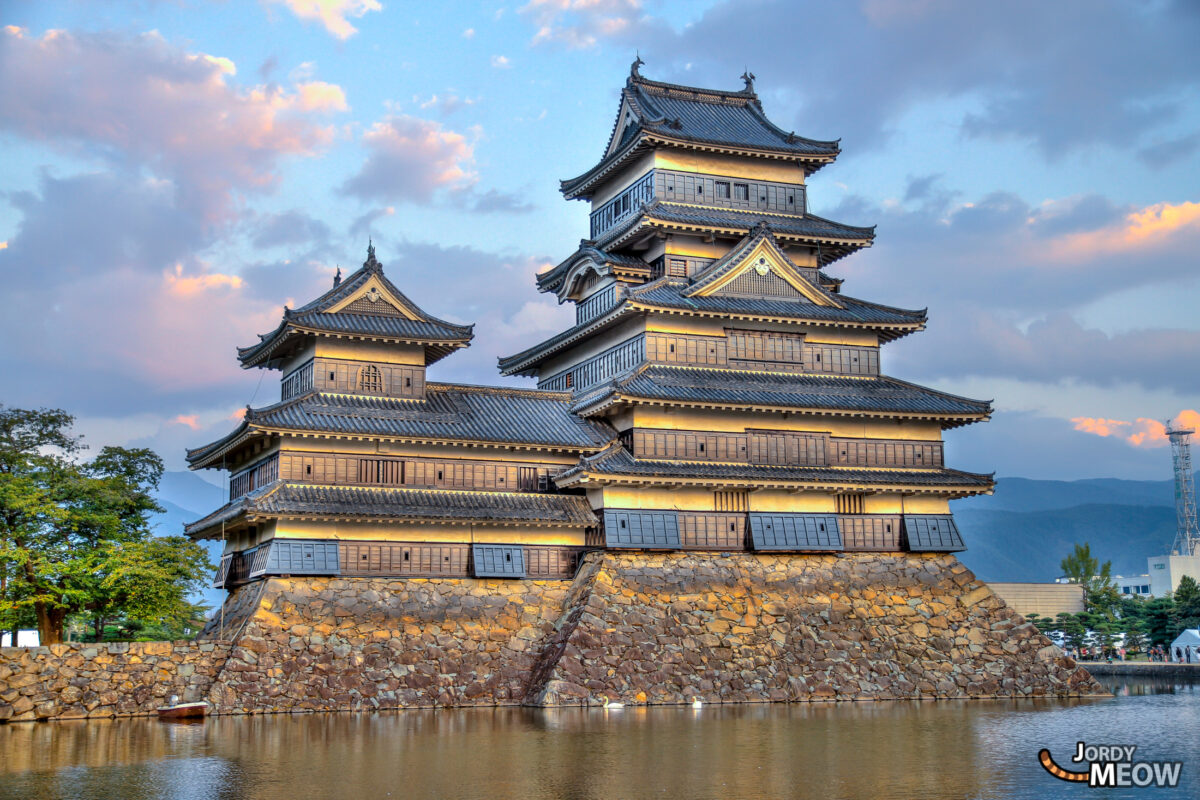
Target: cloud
x: 332, y: 14
x: 501, y: 62
x: 289, y: 228
x: 495, y: 201
x: 446, y: 104
x: 1142, y: 432
x: 1148, y: 227
x: 138, y: 101
x: 580, y: 24
x: 973, y: 341
x: 409, y: 159
x: 1063, y: 76
x: 469, y: 33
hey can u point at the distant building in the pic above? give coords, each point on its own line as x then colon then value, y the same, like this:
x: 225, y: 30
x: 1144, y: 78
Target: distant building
x: 1133, y: 585
x: 1167, y: 571
x: 1042, y: 599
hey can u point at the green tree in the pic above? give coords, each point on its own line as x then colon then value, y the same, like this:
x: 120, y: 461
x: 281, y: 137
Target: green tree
x: 1073, y: 630
x: 1187, y: 604
x: 76, y: 537
x: 1099, y: 593
x: 1160, y: 620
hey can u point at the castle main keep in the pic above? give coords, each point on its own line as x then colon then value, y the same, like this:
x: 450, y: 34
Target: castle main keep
x: 713, y: 491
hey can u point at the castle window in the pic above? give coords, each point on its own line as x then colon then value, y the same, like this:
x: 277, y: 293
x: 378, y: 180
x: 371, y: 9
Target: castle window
x: 851, y: 503
x: 370, y: 379
x: 677, y: 268
x: 570, y: 379
x: 722, y: 190
x: 741, y: 191
x: 731, y: 501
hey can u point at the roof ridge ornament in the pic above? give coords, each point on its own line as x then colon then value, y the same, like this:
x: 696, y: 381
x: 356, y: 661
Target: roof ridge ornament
x: 337, y: 278
x: 748, y: 77
x: 633, y: 69
x: 371, y: 263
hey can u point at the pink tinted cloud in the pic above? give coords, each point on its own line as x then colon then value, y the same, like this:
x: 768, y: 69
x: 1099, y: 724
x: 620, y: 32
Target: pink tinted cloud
x: 411, y: 158
x: 580, y: 24
x: 332, y: 14
x: 1148, y: 227
x: 190, y: 420
x: 143, y: 99
x: 1142, y: 432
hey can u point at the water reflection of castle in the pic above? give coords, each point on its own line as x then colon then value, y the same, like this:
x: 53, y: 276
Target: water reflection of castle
x: 718, y: 391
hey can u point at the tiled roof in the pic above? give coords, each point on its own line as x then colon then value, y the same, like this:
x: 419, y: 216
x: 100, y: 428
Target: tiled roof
x: 315, y: 317
x: 667, y: 293
x: 449, y: 412
x: 706, y: 387
x: 616, y: 460
x: 294, y: 499
x: 686, y: 115
x: 807, y: 227
x: 549, y: 280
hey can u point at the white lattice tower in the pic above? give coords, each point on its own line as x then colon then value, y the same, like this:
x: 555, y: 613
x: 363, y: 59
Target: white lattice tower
x: 1187, y: 533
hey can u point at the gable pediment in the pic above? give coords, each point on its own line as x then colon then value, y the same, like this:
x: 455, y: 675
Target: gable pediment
x: 760, y: 269
x: 626, y: 120
x: 373, y: 297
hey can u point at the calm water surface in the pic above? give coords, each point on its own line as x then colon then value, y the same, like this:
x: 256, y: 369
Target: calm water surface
x: 929, y: 750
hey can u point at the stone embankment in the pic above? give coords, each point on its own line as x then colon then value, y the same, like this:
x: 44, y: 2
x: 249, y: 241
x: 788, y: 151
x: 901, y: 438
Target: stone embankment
x: 117, y: 679
x: 671, y: 628
x: 1145, y: 669
x: 635, y: 628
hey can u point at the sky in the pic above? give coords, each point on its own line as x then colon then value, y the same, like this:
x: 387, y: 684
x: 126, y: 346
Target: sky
x: 173, y: 173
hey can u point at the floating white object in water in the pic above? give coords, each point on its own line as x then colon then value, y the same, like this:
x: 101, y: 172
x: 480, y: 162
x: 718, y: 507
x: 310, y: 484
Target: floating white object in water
x: 611, y: 704
x: 696, y: 703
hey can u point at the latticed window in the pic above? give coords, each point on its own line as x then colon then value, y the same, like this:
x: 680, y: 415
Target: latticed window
x: 370, y: 379
x: 731, y: 501
x: 851, y: 503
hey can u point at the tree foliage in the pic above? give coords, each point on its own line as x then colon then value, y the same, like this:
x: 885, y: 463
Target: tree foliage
x: 1100, y: 595
x: 75, y: 536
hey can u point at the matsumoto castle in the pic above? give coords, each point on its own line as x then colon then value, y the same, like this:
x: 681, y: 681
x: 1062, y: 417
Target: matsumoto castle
x: 720, y: 389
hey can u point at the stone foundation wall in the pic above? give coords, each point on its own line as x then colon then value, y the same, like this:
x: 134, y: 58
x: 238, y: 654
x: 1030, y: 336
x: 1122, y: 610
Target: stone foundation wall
x: 670, y: 628
x: 366, y: 643
x: 634, y: 628
x: 73, y: 681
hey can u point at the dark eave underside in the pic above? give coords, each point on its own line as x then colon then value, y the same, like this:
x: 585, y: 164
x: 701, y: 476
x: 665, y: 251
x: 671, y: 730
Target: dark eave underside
x: 837, y: 239
x: 284, y: 500
x: 665, y: 295
x: 450, y: 412
x: 708, y: 388
x: 617, y: 465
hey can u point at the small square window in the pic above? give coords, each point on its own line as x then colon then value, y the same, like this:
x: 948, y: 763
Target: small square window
x: 722, y: 190
x: 741, y: 191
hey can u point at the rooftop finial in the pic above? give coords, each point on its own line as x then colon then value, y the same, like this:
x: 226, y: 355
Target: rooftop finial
x: 371, y: 262
x: 637, y: 62
x: 748, y: 77
x: 337, y: 279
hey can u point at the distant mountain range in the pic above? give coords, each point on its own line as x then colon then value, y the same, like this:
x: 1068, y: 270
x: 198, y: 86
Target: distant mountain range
x: 1020, y: 533
x: 1027, y: 527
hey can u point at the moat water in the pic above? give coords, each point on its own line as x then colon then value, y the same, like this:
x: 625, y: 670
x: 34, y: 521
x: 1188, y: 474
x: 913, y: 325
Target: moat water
x: 944, y: 749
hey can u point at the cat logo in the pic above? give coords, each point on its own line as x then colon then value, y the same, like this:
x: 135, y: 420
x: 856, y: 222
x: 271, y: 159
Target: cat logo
x: 1113, y: 765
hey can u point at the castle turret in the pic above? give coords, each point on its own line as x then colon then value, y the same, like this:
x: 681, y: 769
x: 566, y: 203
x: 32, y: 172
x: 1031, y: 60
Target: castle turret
x: 745, y: 385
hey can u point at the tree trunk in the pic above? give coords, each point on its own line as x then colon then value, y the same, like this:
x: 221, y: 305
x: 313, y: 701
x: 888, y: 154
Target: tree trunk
x: 50, y: 623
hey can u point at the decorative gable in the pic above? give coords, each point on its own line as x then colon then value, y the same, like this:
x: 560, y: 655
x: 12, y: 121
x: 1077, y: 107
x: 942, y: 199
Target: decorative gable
x: 373, y: 297
x: 759, y: 268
